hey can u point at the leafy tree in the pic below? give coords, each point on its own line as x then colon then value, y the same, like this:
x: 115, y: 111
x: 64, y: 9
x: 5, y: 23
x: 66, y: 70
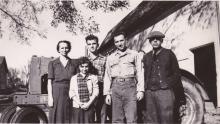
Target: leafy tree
x: 21, y: 17
x: 106, y: 6
x: 25, y: 74
x: 13, y: 77
x: 18, y: 78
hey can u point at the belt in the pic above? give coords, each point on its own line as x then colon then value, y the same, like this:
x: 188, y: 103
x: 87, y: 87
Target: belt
x: 117, y: 79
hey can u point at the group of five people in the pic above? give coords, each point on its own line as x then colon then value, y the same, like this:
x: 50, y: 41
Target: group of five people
x: 95, y: 85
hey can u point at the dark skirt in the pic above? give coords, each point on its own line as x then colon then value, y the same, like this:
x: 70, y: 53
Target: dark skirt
x: 83, y: 116
x: 60, y: 112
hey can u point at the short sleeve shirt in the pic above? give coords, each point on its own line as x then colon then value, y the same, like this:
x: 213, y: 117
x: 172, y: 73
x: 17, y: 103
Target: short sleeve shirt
x: 60, y: 74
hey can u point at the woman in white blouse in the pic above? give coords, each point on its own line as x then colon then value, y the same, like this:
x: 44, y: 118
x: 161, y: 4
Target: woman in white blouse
x: 83, y: 91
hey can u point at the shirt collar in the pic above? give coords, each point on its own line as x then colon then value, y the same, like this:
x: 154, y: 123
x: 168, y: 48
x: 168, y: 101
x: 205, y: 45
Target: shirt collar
x: 157, y: 51
x: 58, y: 61
x: 119, y: 53
x: 92, y: 56
x: 83, y: 76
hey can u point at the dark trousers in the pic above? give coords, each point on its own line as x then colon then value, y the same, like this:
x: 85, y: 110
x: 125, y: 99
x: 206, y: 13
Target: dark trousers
x: 159, y: 106
x: 106, y: 112
x: 83, y: 116
x: 98, y: 108
x: 124, y: 102
x: 99, y: 105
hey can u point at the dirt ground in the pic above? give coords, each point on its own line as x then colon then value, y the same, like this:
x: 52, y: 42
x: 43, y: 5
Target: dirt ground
x: 212, y: 115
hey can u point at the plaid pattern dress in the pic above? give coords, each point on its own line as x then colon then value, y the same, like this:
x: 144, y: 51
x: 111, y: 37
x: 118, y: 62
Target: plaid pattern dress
x: 82, y: 88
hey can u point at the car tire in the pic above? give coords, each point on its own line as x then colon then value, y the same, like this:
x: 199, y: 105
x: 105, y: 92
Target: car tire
x: 29, y: 115
x: 7, y: 114
x: 194, y: 107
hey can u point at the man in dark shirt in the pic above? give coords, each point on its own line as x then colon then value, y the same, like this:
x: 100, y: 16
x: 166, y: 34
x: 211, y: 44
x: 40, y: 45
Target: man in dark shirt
x: 161, y: 73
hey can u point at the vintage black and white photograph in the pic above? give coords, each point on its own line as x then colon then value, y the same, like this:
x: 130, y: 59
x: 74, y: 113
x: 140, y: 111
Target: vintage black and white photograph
x: 110, y: 61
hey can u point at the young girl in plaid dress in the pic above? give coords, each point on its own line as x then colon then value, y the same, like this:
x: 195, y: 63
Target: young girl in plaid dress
x: 83, y: 91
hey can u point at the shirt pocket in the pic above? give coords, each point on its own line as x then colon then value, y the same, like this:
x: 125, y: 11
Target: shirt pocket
x: 113, y: 63
x: 129, y: 65
x: 129, y: 61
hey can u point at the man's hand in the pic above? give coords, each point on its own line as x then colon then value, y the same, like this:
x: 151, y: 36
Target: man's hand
x: 140, y: 95
x: 108, y: 99
x: 50, y: 101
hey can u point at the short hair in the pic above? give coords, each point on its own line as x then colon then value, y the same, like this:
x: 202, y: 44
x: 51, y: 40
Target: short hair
x: 63, y: 41
x: 92, y: 37
x: 120, y: 33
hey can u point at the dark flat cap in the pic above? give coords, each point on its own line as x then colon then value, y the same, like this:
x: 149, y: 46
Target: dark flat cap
x: 155, y: 34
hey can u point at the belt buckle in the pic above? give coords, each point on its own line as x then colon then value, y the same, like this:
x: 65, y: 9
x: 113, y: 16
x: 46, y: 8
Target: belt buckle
x: 121, y: 80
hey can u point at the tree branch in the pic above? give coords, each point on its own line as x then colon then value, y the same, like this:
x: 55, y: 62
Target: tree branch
x: 20, y: 23
x: 16, y: 21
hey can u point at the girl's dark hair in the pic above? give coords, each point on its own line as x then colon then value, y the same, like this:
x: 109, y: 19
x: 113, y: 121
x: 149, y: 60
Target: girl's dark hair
x: 63, y: 41
x: 83, y: 60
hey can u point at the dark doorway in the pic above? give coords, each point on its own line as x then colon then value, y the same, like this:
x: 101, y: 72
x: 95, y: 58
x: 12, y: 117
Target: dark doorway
x: 205, y: 69
x: 44, y: 84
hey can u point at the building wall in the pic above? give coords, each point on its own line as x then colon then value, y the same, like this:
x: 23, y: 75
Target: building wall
x: 3, y: 78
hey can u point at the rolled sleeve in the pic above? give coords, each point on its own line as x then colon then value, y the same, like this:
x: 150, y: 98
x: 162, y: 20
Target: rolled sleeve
x: 107, y: 79
x: 95, y: 87
x: 50, y: 70
x: 139, y: 73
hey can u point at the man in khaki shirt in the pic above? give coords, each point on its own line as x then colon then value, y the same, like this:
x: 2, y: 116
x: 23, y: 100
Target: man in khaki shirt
x: 123, y: 81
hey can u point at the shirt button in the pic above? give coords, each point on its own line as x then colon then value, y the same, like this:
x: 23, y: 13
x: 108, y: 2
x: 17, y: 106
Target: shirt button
x: 158, y: 67
x: 160, y: 81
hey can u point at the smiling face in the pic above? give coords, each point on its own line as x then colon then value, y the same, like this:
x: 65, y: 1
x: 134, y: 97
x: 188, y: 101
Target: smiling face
x: 119, y: 42
x: 92, y: 45
x: 84, y: 68
x: 64, y: 49
x: 156, y: 42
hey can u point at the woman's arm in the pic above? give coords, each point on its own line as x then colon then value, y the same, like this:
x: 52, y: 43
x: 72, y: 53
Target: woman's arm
x: 50, y: 96
x: 49, y: 85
